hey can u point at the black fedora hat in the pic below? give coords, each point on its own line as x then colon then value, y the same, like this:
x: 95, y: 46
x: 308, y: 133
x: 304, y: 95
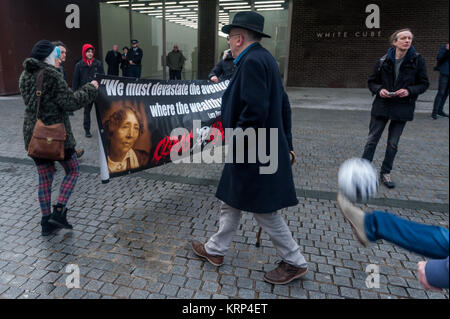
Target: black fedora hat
x: 249, y: 20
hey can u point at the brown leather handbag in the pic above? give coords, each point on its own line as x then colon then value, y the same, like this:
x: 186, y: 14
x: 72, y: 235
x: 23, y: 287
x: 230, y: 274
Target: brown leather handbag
x: 47, y: 141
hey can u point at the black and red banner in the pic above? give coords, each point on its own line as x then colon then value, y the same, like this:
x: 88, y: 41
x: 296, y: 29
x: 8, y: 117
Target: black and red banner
x: 136, y: 119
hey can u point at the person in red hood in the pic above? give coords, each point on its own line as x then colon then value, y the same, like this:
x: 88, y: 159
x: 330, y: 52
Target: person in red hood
x: 84, y: 73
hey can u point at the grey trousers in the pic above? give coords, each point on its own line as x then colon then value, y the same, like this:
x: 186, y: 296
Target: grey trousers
x: 271, y: 223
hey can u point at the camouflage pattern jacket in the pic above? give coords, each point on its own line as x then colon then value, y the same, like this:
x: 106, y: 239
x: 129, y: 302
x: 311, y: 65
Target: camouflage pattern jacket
x: 57, y: 99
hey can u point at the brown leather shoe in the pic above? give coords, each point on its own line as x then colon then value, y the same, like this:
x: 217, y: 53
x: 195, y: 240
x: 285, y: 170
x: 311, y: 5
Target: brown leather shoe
x: 284, y: 274
x: 199, y: 250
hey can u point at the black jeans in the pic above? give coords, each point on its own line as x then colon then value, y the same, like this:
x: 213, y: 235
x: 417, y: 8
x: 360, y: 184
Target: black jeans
x: 175, y: 74
x: 441, y: 95
x: 376, y: 128
x: 87, y: 118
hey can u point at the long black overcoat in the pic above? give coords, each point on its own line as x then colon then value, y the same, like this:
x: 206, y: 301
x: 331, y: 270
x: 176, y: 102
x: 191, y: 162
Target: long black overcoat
x: 255, y: 98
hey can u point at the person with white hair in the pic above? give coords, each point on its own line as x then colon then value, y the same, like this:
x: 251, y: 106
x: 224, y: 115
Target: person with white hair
x: 56, y: 99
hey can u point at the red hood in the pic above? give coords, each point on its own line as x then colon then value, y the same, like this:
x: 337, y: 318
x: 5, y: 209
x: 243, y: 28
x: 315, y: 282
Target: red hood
x: 83, y: 54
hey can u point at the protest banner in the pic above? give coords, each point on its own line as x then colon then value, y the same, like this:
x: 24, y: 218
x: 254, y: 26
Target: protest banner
x: 136, y: 119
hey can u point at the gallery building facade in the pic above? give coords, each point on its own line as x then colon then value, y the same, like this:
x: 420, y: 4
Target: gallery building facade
x: 326, y: 43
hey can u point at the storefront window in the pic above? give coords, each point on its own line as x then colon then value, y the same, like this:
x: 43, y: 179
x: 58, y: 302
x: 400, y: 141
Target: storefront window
x: 275, y: 13
x: 181, y: 29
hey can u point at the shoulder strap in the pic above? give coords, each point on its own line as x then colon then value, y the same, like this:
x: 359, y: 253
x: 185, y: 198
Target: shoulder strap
x: 40, y: 79
x: 382, y: 59
x: 416, y: 62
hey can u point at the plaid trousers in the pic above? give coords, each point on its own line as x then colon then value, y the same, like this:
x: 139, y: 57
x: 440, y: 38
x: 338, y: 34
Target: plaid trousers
x: 46, y: 173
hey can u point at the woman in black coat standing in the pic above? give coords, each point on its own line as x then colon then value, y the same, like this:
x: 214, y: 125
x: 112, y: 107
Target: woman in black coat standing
x: 398, y: 79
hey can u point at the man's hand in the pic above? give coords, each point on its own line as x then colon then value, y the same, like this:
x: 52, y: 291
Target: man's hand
x: 215, y: 79
x: 95, y: 84
x: 402, y: 93
x: 423, y: 278
x: 292, y: 157
x: 131, y: 62
x: 385, y: 94
x: 446, y: 47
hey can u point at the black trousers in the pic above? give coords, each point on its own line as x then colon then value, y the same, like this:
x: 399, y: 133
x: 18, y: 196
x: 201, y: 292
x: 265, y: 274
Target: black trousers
x: 441, y: 95
x: 134, y: 71
x: 376, y: 128
x: 175, y: 74
x: 87, y: 118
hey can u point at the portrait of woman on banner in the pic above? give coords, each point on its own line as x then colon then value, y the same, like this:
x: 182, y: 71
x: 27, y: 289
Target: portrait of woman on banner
x: 128, y: 140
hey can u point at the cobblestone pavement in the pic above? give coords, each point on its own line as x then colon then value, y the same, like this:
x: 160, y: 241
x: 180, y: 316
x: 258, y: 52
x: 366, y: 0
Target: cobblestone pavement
x: 323, y: 139
x: 131, y: 237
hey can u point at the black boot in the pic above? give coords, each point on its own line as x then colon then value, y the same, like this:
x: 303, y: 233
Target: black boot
x: 59, y: 217
x: 47, y: 227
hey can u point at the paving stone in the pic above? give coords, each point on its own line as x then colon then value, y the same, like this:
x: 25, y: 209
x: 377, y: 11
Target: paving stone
x: 299, y: 293
x: 245, y: 283
x: 416, y: 293
x: 91, y: 295
x: 139, y: 294
x: 398, y: 291
x: 185, y: 293
x: 123, y: 292
x: 93, y: 285
x: 349, y: 292
x: 169, y: 290
x: 12, y: 293
x: 329, y: 289
x: 228, y: 290
x: 209, y: 286
x: 75, y: 293
x: 246, y: 294
x: 108, y: 289
x: 316, y: 295
x: 202, y: 295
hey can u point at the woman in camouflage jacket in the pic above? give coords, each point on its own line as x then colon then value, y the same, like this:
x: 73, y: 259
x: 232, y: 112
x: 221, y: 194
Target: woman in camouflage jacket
x: 57, y: 99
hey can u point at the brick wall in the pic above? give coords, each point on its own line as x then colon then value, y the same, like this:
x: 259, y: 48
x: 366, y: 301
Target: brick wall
x: 347, y: 61
x: 25, y: 22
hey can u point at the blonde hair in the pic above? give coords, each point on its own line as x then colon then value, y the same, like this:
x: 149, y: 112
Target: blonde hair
x: 394, y: 35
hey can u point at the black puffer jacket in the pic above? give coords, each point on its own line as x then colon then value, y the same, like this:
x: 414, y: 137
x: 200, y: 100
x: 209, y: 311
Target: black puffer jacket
x: 225, y: 68
x: 412, y: 76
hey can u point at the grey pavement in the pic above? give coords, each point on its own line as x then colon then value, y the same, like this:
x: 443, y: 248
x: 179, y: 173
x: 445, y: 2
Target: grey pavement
x: 131, y: 237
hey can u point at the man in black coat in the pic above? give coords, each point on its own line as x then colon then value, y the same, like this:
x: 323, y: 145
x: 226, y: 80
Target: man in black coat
x: 113, y: 59
x: 255, y: 101
x: 443, y: 58
x: 134, y: 58
x: 398, y: 79
x: 85, y: 70
x: 224, y: 69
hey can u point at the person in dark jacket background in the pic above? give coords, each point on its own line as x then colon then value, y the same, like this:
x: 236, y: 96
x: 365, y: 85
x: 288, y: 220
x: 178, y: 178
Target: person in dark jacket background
x: 113, y: 60
x: 224, y: 69
x: 56, y: 100
x: 124, y: 62
x: 134, y: 58
x: 441, y: 96
x: 256, y: 100
x: 175, y: 62
x: 398, y: 79
x: 85, y: 70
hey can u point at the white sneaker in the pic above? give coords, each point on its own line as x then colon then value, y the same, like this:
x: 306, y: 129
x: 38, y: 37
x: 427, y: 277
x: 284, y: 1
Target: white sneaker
x: 355, y: 216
